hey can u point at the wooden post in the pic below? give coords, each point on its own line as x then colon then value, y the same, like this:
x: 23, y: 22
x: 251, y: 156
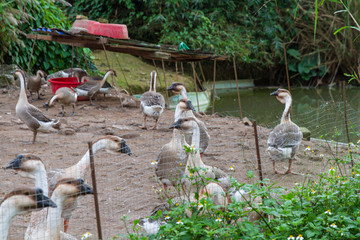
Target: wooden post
x: 213, y: 102
x: 202, y: 72
x: 346, y: 122
x: 196, y: 89
x: 96, y: 200
x: 167, y: 93
x: 258, y: 152
x: 112, y: 77
x: 237, y: 88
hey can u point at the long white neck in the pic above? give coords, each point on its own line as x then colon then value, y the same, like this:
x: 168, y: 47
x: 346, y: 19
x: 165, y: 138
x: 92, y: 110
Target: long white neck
x: 183, y: 93
x: 38, y: 75
x: 286, y: 114
x: 53, y: 219
x: 22, y: 96
x: 79, y: 169
x: 153, y: 82
x: 106, y: 76
x: 178, y: 112
x: 41, y: 180
x: 7, y: 212
x: 196, y: 136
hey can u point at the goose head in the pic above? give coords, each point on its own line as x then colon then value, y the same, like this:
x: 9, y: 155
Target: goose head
x: 114, y: 144
x: 176, y: 87
x: 282, y: 95
x: 110, y: 71
x: 26, y: 164
x: 42, y: 73
x: 186, y: 105
x: 27, y: 199
x: 185, y: 124
x: 71, y: 187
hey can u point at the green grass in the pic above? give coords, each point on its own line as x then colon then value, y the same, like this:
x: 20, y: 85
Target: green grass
x: 137, y: 72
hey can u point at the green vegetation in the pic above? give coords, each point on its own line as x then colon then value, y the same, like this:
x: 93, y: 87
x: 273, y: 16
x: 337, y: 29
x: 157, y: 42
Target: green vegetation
x: 326, y: 208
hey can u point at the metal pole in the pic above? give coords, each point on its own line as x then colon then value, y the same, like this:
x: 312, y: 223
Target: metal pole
x: 196, y: 89
x: 258, y: 152
x: 96, y: 200
x: 237, y: 88
x: 167, y: 93
x: 213, y: 102
x: 346, y: 122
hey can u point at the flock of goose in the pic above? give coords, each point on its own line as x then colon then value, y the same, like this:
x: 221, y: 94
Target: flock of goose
x: 65, y: 186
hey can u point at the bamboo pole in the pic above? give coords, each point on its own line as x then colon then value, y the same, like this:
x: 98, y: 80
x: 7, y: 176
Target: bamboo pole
x: 213, y: 102
x: 96, y: 200
x: 237, y: 88
x: 346, y: 123
x: 122, y: 71
x: 167, y: 93
x: 202, y: 72
x: 196, y: 88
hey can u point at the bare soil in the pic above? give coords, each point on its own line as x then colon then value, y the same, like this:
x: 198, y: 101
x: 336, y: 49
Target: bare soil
x: 126, y: 184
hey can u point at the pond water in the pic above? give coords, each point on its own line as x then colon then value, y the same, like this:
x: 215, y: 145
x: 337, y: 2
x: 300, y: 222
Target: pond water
x: 321, y: 110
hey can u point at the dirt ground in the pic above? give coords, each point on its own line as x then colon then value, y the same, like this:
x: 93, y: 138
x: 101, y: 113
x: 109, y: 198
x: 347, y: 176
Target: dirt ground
x: 126, y: 183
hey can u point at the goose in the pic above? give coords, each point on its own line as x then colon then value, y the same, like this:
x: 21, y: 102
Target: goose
x: 34, y: 83
x: 18, y: 202
x: 187, y: 125
x: 284, y: 140
x: 171, y: 161
x: 69, y: 72
x: 47, y: 224
x: 92, y: 85
x: 66, y: 96
x: 152, y: 103
x: 203, y: 141
x: 80, y: 169
x: 31, y: 115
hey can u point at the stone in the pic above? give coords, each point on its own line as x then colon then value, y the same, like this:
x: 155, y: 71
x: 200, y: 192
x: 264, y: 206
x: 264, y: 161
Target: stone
x: 6, y: 76
x: 306, y: 133
x: 67, y: 131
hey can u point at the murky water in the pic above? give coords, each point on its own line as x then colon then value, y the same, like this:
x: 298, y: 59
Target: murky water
x: 321, y: 110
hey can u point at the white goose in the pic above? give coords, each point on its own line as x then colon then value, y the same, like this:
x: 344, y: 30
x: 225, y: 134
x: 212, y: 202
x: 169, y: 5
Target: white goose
x: 284, y: 140
x: 152, y: 103
x: 31, y: 115
x: 47, y: 224
x: 19, y: 202
x: 201, y: 135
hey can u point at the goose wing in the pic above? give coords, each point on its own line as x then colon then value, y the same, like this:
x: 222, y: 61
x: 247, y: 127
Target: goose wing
x: 37, y: 114
x: 285, y: 135
x: 152, y: 99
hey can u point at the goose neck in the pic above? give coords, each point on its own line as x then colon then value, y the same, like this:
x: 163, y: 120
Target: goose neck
x: 53, y: 221
x: 183, y: 93
x: 106, y: 76
x: 22, y: 88
x: 286, y: 114
x: 153, y: 82
x: 7, y: 212
x: 41, y: 180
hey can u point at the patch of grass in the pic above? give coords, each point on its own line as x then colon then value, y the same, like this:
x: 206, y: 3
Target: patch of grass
x: 136, y: 72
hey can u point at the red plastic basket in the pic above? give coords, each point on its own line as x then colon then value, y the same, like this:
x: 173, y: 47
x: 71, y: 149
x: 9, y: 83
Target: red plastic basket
x: 70, y: 82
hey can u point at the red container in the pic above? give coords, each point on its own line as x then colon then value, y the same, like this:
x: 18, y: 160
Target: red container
x: 103, y: 29
x: 70, y: 82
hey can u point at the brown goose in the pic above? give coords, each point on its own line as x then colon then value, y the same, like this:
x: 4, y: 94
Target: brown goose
x: 171, y: 162
x: 203, y: 141
x: 69, y: 72
x: 152, y: 103
x: 92, y: 85
x: 284, y: 140
x: 34, y: 83
x: 31, y: 115
x: 19, y: 202
x: 66, y: 96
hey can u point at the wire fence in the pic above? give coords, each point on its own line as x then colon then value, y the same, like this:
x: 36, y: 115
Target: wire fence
x: 127, y: 185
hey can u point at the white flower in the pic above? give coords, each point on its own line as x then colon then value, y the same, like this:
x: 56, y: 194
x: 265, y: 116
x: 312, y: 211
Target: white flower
x: 300, y: 237
x: 358, y: 141
x: 327, y: 212
x: 291, y: 237
x: 200, y: 205
x: 321, y: 155
x: 218, y: 220
x: 167, y: 217
x: 154, y: 162
x: 332, y: 169
x: 86, y: 236
x: 192, y: 147
x: 231, y: 168
x: 308, y: 148
x: 333, y: 225
x: 179, y: 222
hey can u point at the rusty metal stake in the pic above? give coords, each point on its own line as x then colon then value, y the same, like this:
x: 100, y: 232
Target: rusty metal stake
x: 346, y: 122
x: 96, y: 200
x: 258, y: 152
